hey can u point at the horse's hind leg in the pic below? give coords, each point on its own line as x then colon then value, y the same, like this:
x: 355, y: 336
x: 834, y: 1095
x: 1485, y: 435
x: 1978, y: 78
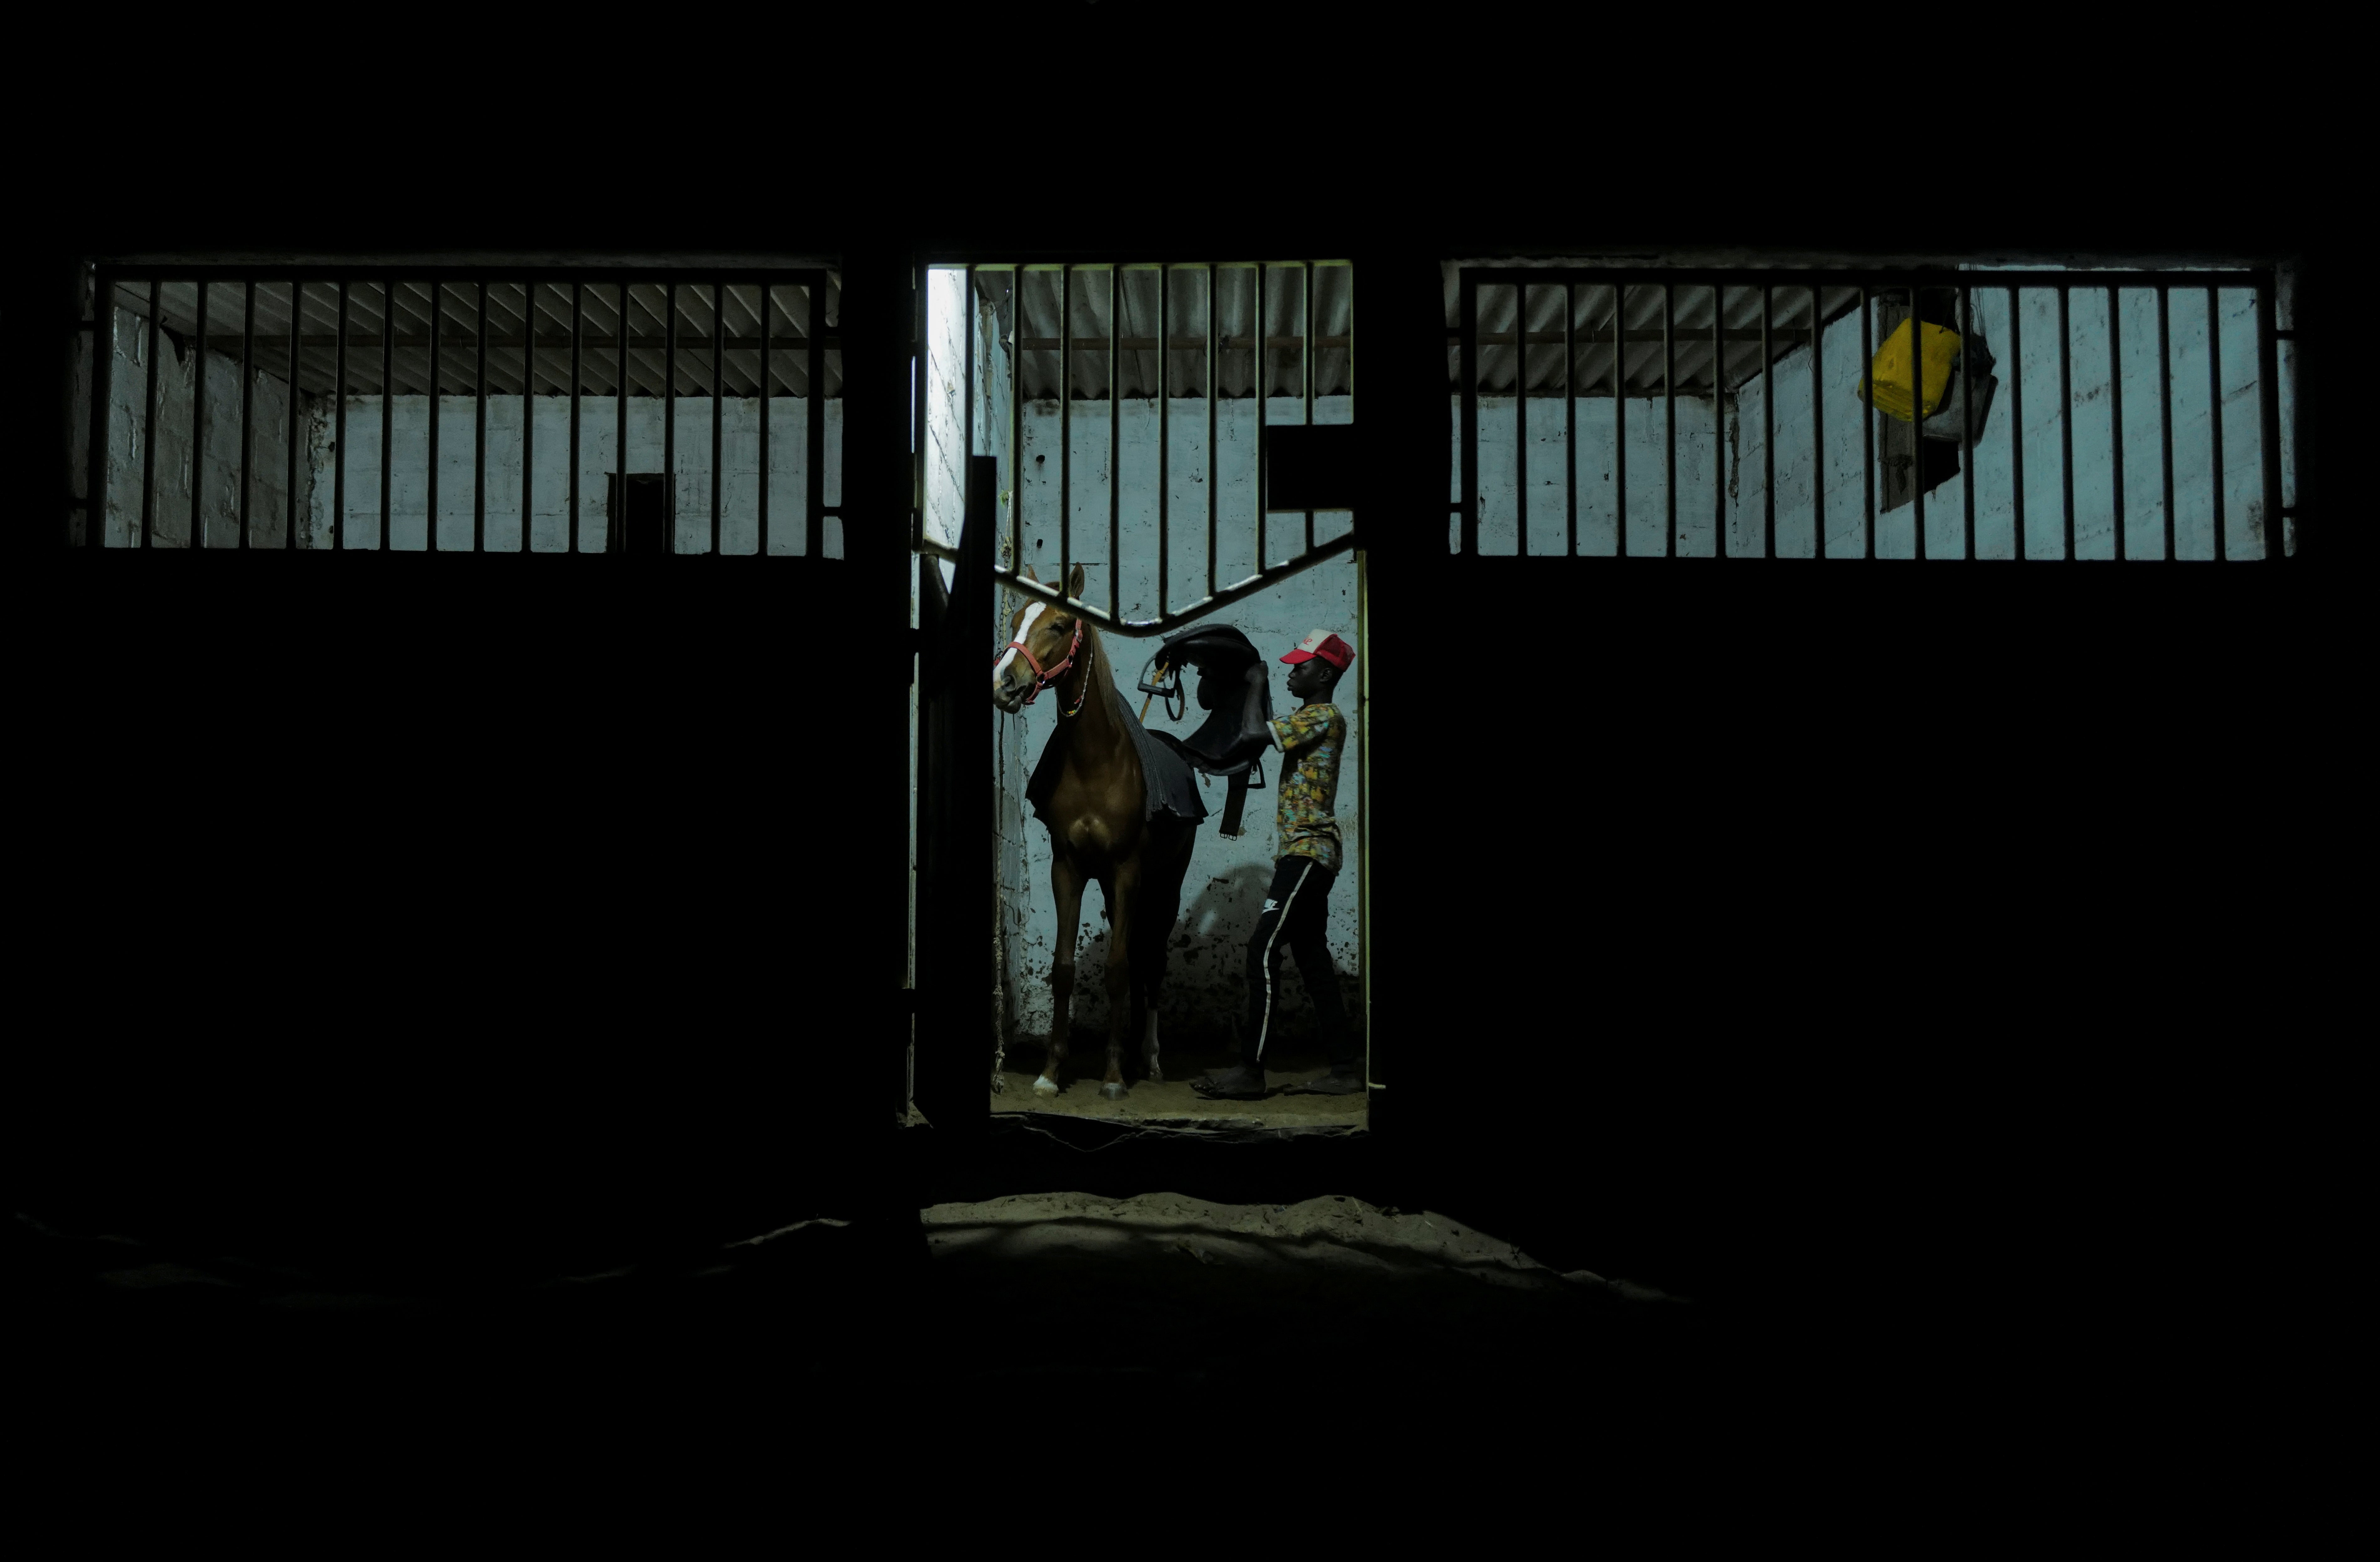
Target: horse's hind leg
x: 1066, y: 890
x: 1123, y: 891
x: 1161, y: 906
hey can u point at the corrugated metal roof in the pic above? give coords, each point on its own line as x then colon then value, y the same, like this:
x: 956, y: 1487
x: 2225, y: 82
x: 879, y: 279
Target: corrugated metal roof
x: 1701, y: 363
x: 1093, y: 294
x: 510, y: 306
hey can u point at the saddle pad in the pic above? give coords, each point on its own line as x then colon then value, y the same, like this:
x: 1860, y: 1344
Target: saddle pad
x: 1169, y: 785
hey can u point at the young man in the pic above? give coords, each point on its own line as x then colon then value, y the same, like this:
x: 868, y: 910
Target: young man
x: 1307, y: 859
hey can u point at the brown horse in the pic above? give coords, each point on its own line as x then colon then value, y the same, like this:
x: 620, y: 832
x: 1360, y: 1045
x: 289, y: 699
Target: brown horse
x: 1092, y: 789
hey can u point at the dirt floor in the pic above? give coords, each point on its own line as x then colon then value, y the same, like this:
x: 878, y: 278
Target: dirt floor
x: 1174, y: 1104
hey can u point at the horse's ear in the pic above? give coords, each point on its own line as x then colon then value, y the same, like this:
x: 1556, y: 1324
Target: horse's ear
x: 1026, y: 573
x: 1074, y: 584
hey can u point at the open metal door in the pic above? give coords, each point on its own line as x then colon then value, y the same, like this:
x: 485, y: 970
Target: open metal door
x: 956, y: 906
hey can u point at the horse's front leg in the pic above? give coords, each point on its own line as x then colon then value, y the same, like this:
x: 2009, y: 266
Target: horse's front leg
x: 1123, y: 903
x: 1067, y: 889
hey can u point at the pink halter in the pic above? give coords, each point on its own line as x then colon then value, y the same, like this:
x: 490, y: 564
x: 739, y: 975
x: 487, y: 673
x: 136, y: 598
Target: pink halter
x: 1043, y: 680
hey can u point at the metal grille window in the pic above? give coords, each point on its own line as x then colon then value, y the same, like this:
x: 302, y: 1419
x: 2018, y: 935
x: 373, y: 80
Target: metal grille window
x: 461, y: 409
x: 1227, y: 350
x: 1675, y: 412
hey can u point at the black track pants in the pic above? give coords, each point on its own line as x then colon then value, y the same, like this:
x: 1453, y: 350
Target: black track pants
x: 1295, y: 915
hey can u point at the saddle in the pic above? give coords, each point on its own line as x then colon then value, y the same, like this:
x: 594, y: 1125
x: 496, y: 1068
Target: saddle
x: 1237, y: 696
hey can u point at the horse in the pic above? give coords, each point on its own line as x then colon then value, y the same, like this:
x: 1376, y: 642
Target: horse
x: 1092, y: 789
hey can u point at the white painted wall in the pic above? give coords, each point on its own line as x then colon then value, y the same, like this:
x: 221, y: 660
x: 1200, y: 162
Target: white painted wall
x: 216, y: 455
x: 550, y: 459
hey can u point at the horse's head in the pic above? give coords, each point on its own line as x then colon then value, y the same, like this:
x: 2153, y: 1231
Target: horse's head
x: 1044, y: 639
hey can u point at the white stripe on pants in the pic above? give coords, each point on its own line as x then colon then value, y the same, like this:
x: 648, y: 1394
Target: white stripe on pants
x: 1305, y: 872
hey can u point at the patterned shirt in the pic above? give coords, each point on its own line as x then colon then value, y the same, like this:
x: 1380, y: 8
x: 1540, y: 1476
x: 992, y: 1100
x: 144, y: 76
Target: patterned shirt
x: 1311, y: 740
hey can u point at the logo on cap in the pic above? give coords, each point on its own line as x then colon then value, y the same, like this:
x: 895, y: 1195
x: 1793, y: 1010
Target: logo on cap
x: 1327, y: 646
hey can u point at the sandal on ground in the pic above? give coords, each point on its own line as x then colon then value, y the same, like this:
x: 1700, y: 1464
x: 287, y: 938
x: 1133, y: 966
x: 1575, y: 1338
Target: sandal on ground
x: 1331, y: 1082
x: 1230, y: 1084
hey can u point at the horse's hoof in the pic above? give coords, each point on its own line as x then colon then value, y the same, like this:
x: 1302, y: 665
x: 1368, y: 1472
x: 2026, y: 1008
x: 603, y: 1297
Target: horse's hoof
x: 1113, y: 1093
x: 1156, y: 1075
x: 1045, y: 1086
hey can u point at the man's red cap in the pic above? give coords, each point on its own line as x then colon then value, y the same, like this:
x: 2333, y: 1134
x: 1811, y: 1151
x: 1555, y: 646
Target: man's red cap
x: 1327, y: 646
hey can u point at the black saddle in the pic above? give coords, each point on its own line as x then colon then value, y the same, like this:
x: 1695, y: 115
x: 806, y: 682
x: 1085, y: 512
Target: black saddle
x: 1237, y: 696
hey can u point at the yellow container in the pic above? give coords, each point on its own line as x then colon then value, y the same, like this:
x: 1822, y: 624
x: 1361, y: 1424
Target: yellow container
x: 1888, y: 376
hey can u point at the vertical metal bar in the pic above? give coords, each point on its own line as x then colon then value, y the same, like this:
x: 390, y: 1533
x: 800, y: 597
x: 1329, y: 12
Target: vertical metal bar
x: 767, y: 311
x: 1164, y: 435
x: 2016, y: 416
x: 2214, y: 416
x: 2115, y: 416
x: 528, y: 414
x: 2066, y: 415
x: 1262, y: 368
x: 1016, y: 417
x: 290, y: 489
x: 1917, y: 420
x: 2164, y: 407
x: 437, y: 323
x: 1570, y: 417
x: 813, y: 420
x: 247, y: 404
x: 102, y: 389
x: 1521, y: 412
x: 1718, y: 421
x: 387, y: 397
x: 578, y: 368
x: 1066, y: 422
x: 1467, y: 363
x: 149, y: 427
x: 1767, y: 427
x: 1306, y: 366
x: 1868, y: 428
x: 199, y: 426
x: 616, y: 536
x: 967, y: 315
x: 479, y: 429
x: 2268, y: 386
x: 1670, y: 415
x: 338, y: 426
x: 669, y: 408
x: 1967, y: 420
x: 718, y: 406
x: 1620, y: 416
x: 1115, y: 439
x: 1211, y: 464
x: 1818, y: 431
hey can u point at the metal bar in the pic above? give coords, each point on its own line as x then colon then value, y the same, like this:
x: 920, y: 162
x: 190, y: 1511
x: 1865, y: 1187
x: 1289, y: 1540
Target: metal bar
x: 338, y: 429
x: 1619, y: 417
x: 149, y: 424
x: 1115, y: 440
x: 388, y: 398
x: 768, y: 310
x: 1867, y: 430
x: 2165, y: 409
x: 1467, y: 363
x: 1918, y: 422
x: 669, y: 408
x: 1066, y: 422
x: 814, y: 422
x: 479, y: 430
x: 2114, y: 417
x: 437, y: 329
x: 718, y: 410
x: 1210, y: 430
x: 616, y: 536
x: 2214, y: 416
x: 1141, y: 628
x: 1846, y: 276
x: 2269, y: 382
x: 102, y: 407
x: 289, y: 488
x: 1569, y: 418
x: 1768, y: 431
x: 198, y: 428
x: 2016, y: 418
x: 578, y: 372
x: 1967, y: 420
x: 1257, y: 352
x: 1015, y: 419
x: 2066, y: 416
x: 1520, y: 415
x: 1818, y: 432
x: 528, y: 415
x: 1719, y: 420
x: 1306, y: 367
x: 246, y: 401
x: 1164, y: 436
x: 1670, y: 416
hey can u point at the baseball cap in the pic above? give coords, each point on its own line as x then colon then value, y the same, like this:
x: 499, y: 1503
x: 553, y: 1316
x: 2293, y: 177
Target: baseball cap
x: 1327, y: 646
